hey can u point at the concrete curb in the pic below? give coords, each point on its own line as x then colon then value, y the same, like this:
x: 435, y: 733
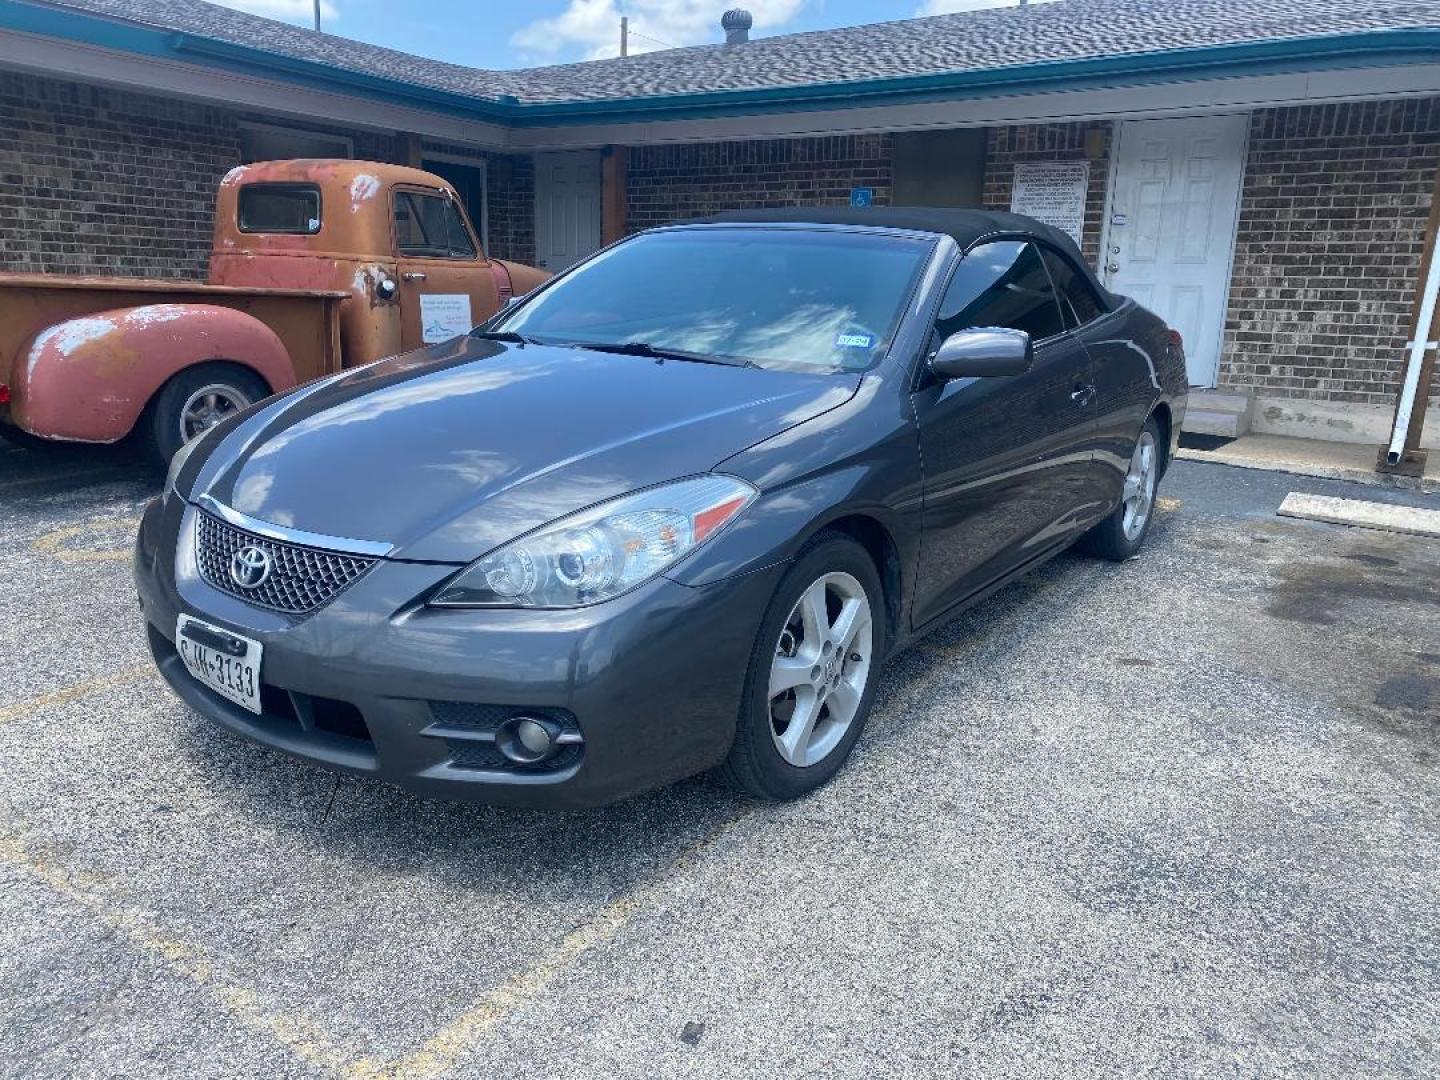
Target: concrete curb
x: 1424, y: 485
x: 1361, y: 514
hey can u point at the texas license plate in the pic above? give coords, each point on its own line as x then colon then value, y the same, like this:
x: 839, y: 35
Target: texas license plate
x: 223, y: 660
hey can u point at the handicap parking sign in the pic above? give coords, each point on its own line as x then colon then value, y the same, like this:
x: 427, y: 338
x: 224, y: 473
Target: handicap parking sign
x: 862, y: 196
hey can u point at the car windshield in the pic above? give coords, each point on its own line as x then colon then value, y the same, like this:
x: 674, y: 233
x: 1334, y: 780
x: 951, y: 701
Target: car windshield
x: 806, y: 299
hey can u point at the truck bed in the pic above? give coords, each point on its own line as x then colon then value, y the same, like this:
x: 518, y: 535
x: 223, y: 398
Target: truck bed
x: 150, y: 285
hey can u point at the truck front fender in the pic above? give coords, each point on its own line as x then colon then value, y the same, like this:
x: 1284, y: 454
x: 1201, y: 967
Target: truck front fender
x: 88, y: 379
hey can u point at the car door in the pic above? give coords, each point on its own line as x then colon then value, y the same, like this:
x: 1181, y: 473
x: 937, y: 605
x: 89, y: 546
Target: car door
x: 446, y: 287
x: 1005, y: 459
x: 1122, y: 370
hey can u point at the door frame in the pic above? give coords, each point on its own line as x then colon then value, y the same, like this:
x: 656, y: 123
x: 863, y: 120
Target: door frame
x: 598, y: 156
x: 1116, y: 136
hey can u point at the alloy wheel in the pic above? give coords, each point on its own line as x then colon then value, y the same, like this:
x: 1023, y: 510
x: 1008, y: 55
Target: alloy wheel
x: 208, y: 406
x: 1139, y: 494
x: 820, y: 670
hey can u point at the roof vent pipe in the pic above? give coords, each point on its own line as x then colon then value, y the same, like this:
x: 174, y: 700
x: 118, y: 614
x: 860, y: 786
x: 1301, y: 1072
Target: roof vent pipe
x: 736, y: 23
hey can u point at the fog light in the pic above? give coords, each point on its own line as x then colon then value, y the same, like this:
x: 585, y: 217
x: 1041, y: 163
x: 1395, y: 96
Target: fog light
x: 533, y: 737
x: 527, y: 740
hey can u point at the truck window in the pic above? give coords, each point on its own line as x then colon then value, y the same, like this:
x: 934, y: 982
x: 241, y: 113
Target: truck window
x: 280, y: 208
x: 430, y: 226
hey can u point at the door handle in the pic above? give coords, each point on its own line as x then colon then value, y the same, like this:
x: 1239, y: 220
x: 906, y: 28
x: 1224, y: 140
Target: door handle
x: 414, y: 275
x: 1083, y: 394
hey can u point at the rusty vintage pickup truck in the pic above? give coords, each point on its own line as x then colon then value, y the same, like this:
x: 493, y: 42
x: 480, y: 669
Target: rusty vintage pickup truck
x: 315, y: 265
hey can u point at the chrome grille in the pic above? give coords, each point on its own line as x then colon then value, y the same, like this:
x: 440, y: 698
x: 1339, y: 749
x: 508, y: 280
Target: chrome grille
x: 301, y: 579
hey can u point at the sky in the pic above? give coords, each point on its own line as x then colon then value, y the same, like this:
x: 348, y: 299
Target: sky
x: 530, y: 33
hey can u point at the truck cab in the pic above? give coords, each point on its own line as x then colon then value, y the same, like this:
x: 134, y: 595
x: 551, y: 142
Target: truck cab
x: 396, y: 239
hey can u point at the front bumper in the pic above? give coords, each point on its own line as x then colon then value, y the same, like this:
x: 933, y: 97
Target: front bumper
x: 652, y: 679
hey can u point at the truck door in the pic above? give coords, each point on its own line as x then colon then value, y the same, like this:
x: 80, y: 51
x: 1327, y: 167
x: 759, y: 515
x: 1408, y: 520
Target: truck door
x: 446, y: 287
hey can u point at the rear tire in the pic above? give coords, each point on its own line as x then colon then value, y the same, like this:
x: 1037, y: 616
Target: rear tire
x: 812, y: 674
x: 1120, y: 535
x: 195, y: 400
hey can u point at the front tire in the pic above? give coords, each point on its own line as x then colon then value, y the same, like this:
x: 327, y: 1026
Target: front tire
x: 1120, y: 535
x: 194, y: 401
x: 811, y: 680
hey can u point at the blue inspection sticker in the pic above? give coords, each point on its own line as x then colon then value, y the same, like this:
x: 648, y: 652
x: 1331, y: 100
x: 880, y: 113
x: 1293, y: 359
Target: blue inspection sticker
x: 854, y: 341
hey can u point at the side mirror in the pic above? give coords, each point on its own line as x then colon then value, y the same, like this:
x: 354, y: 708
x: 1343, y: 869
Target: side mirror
x: 982, y: 352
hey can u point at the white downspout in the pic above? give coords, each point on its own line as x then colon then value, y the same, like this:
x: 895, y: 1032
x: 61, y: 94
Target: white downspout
x: 1418, y: 348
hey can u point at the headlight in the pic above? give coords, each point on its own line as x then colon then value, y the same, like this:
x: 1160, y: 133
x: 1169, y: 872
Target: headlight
x: 600, y: 552
x: 177, y: 463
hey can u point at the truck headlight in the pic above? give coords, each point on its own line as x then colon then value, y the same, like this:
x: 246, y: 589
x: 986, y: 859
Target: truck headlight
x: 601, y: 552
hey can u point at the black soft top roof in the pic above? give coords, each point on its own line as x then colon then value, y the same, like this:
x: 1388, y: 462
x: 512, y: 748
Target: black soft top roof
x: 964, y: 226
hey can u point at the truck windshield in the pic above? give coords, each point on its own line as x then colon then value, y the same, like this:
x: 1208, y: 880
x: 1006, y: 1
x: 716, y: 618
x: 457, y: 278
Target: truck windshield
x: 787, y: 297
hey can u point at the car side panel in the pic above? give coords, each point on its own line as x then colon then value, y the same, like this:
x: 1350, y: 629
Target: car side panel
x: 859, y: 459
x: 1007, y: 468
x: 1136, y: 367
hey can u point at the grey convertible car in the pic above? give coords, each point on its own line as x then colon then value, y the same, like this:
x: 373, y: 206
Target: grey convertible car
x: 669, y: 512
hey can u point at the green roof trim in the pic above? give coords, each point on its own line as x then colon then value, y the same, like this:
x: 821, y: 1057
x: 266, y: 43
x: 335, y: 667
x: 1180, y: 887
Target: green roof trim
x: 1324, y: 52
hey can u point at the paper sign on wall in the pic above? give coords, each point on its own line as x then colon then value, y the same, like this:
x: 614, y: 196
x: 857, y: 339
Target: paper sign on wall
x: 1053, y: 192
x: 444, y: 316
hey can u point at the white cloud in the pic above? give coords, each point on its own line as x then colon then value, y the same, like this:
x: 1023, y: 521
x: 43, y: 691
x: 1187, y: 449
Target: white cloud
x: 296, y: 11
x: 945, y: 7
x: 591, y: 28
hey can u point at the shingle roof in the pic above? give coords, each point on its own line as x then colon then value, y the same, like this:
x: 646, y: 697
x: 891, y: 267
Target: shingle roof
x: 974, y: 40
x: 965, y: 41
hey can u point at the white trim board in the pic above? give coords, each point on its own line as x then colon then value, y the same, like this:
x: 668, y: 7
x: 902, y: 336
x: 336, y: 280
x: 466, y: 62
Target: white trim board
x: 1145, y: 102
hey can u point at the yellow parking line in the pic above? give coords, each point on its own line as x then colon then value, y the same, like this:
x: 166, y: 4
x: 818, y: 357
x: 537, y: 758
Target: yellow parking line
x: 70, y: 693
x: 301, y: 1036
x: 55, y: 478
x: 53, y: 543
x: 440, y: 1053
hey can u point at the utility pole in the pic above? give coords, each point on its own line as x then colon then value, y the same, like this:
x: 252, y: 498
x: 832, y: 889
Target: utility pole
x: 624, y: 35
x: 317, y: 16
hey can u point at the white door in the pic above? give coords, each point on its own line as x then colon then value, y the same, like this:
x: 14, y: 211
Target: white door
x: 1170, y: 238
x: 567, y: 207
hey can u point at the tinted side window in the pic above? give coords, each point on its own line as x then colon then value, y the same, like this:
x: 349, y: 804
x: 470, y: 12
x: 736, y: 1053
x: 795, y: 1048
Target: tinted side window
x: 430, y: 225
x: 1077, y: 294
x: 1001, y: 284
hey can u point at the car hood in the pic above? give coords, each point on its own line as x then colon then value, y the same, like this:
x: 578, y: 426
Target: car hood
x: 447, y: 452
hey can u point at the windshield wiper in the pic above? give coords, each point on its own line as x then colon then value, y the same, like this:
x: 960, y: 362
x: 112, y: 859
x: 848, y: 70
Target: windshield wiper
x: 504, y: 335
x: 659, y: 352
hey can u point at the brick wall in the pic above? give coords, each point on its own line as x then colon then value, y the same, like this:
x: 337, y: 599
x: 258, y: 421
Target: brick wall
x: 675, y: 183
x: 1332, y: 229
x: 1009, y: 146
x: 99, y: 181
x: 511, y: 196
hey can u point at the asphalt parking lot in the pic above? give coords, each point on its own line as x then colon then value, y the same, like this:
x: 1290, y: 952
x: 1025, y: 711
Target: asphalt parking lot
x: 1176, y: 817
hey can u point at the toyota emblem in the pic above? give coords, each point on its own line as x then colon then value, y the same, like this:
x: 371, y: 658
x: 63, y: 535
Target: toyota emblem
x: 250, y: 566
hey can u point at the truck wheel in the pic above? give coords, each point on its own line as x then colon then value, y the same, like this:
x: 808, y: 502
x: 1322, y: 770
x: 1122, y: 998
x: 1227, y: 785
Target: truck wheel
x: 197, y: 399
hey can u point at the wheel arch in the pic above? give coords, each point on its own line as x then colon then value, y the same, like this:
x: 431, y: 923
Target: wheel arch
x: 875, y: 537
x: 1162, y: 416
x: 92, y: 378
